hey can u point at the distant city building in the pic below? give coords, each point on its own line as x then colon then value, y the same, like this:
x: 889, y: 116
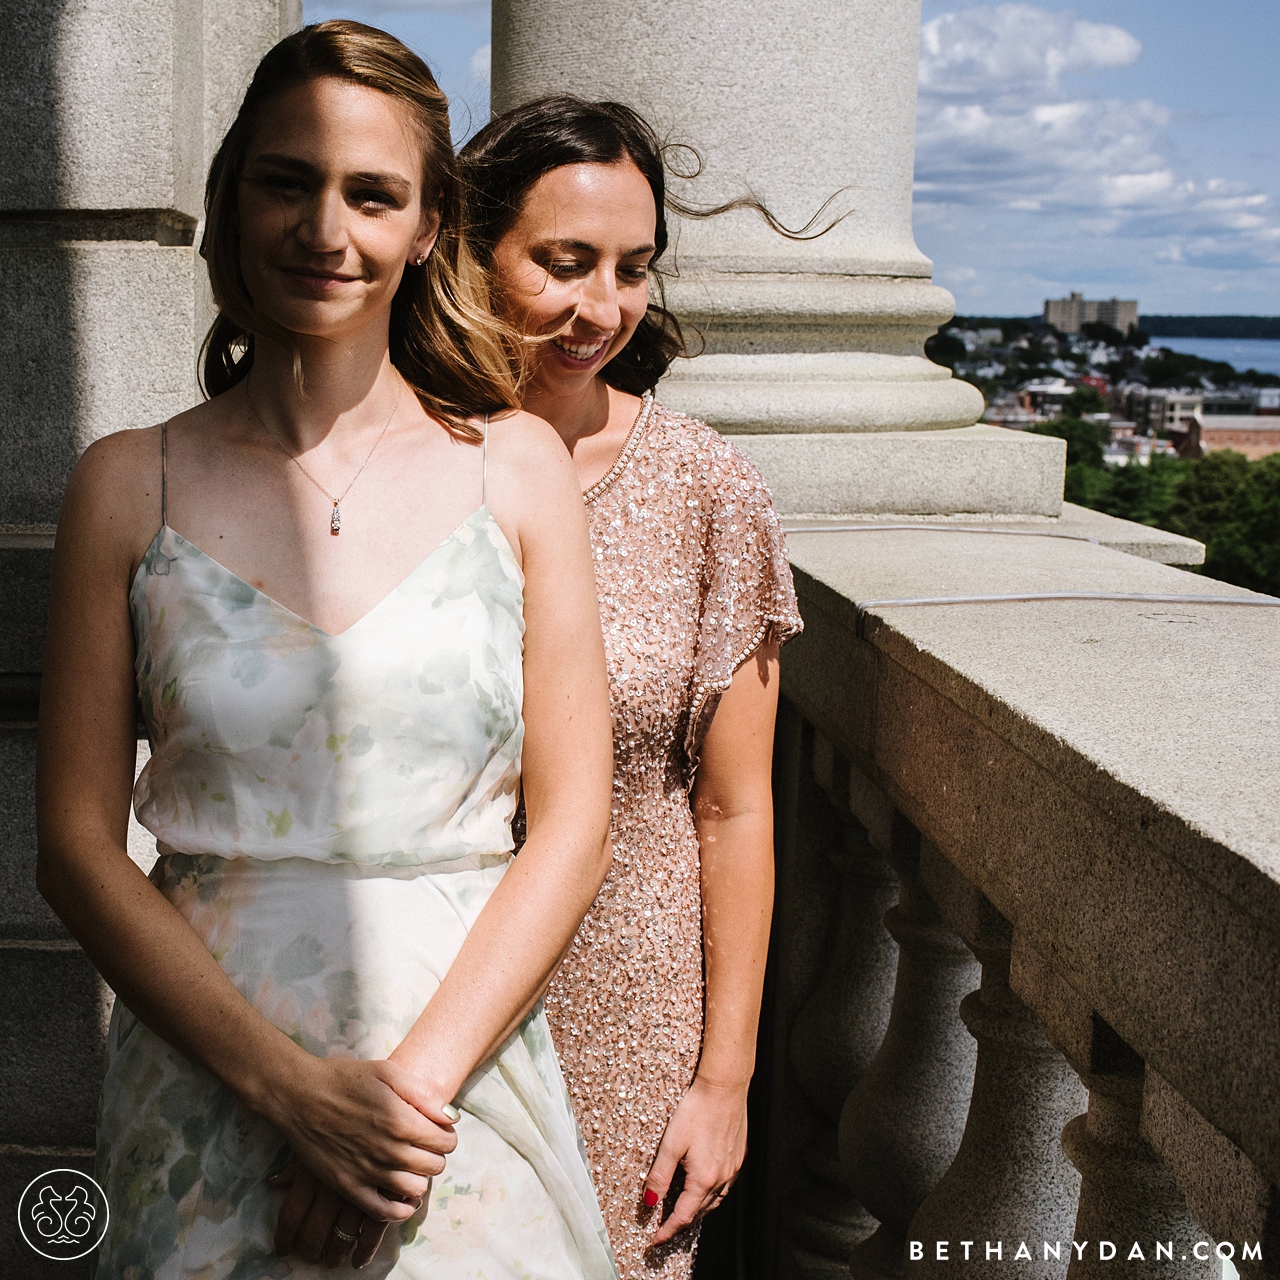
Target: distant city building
x: 1045, y: 395
x: 1174, y: 410
x: 1128, y: 447
x: 1242, y: 401
x: 1068, y: 315
x: 1158, y: 408
x: 975, y: 338
x: 1006, y: 410
x: 1255, y: 436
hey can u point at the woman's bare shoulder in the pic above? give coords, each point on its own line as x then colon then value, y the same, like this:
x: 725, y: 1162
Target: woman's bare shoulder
x: 529, y: 461
x: 123, y: 461
x: 113, y: 494
x: 520, y: 438
x: 116, y: 475
x: 533, y: 488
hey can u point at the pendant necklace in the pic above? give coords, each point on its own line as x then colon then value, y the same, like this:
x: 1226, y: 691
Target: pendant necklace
x: 335, y: 519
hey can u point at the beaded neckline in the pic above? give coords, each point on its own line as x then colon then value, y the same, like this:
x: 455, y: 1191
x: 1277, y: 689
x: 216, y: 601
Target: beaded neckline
x: 628, y: 449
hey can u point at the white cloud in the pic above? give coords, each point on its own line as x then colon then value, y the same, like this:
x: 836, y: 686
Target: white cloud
x: 479, y: 66
x: 998, y: 129
x: 1016, y: 46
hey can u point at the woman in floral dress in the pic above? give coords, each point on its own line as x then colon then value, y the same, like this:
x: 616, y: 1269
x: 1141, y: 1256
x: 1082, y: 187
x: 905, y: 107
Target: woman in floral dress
x: 567, y: 198
x: 366, y: 619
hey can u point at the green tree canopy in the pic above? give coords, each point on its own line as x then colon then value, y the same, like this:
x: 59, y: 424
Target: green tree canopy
x: 1246, y: 549
x: 945, y: 348
x: 1177, y: 369
x: 1085, y: 440
x: 1230, y: 504
x: 1084, y: 400
x: 1096, y: 331
x: 1207, y: 497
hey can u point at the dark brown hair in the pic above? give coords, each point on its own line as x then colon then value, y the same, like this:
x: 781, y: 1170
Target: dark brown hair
x: 445, y: 340
x: 504, y: 160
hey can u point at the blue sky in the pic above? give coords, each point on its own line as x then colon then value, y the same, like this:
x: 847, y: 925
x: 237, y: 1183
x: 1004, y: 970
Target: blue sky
x: 1126, y: 147
x: 1122, y: 147
x: 451, y: 35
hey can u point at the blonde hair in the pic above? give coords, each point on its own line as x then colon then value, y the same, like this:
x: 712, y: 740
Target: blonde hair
x: 445, y: 340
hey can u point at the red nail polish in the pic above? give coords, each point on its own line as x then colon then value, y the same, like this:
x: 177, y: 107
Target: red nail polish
x: 650, y: 1198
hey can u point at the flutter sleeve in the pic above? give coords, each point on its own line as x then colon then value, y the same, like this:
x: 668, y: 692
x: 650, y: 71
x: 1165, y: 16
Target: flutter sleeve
x: 748, y: 596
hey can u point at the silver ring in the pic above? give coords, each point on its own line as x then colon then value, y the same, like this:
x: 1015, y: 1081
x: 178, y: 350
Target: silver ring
x: 344, y: 1236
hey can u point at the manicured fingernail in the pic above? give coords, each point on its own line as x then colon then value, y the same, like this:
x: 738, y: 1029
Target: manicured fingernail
x: 452, y: 1112
x: 650, y: 1198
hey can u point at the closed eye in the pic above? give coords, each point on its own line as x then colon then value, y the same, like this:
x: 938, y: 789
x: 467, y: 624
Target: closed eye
x: 563, y: 268
x: 281, y: 182
x: 376, y: 200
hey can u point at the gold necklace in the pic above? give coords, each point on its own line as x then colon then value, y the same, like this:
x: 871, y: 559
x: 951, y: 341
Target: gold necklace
x: 335, y: 519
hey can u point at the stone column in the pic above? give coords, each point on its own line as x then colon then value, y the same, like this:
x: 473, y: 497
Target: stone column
x: 814, y: 349
x: 109, y: 110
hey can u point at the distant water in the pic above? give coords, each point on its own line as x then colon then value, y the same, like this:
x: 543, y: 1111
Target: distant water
x: 1262, y: 354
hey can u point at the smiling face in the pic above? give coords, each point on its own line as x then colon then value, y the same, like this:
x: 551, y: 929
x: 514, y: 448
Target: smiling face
x: 575, y: 263
x: 330, y: 208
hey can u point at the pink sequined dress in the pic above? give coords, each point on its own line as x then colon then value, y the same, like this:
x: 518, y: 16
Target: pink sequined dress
x: 692, y: 576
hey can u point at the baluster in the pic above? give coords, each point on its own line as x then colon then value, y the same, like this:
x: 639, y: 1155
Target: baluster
x: 803, y: 916
x: 901, y: 1125
x: 840, y: 1027
x: 1226, y: 1192
x: 1010, y: 1181
x: 1128, y: 1194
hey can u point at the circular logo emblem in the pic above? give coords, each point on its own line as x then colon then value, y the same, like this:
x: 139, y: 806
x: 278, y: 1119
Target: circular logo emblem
x: 63, y: 1214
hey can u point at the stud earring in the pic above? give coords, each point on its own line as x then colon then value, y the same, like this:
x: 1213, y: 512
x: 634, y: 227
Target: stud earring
x: 420, y: 259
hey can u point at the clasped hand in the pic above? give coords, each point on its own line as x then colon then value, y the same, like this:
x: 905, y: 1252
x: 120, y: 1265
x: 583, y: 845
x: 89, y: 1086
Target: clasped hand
x: 367, y: 1137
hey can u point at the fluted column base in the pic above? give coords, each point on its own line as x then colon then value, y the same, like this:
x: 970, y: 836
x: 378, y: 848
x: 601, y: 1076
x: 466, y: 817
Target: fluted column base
x: 801, y: 352
x: 822, y: 380
x: 821, y: 392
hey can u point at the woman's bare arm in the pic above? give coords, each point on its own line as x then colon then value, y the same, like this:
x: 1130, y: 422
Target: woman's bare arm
x: 523, y: 931
x: 140, y: 943
x: 733, y: 813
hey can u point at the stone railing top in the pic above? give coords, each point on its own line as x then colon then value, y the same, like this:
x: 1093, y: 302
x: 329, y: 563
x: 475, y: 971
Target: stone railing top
x: 1166, y: 716
x: 1075, y: 522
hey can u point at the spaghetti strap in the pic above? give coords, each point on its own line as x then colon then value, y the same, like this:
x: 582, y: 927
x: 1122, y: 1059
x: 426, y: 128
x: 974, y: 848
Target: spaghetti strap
x: 164, y: 475
x: 484, y: 465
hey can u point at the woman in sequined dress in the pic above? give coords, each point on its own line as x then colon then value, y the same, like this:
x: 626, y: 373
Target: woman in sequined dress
x: 696, y: 598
